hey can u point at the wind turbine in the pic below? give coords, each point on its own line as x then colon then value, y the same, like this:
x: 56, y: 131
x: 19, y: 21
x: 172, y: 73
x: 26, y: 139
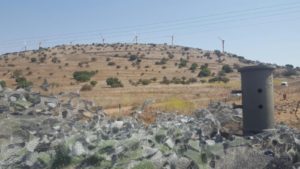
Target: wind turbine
x: 25, y: 45
x: 40, y: 43
x: 135, y: 39
x: 71, y: 42
x: 223, y: 44
x: 102, y: 38
x: 172, y: 40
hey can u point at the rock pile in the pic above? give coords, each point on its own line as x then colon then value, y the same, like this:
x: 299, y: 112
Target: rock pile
x: 65, y: 131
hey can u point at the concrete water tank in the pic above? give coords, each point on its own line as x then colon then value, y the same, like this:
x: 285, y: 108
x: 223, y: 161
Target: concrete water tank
x: 257, y: 98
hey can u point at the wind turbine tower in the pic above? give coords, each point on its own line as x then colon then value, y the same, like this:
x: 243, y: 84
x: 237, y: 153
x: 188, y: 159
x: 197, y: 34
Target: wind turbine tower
x: 223, y: 44
x: 25, y: 46
x: 103, y: 40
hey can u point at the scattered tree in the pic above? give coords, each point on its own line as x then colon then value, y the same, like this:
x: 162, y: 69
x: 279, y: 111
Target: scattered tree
x: 193, y: 67
x: 205, y: 71
x: 83, y: 76
x: 227, y: 68
x: 114, y: 82
x: 86, y: 87
x: 132, y: 58
x: 182, y: 63
x: 162, y: 61
x: 218, y: 53
x: 111, y: 63
x: 93, y: 83
x: 33, y: 60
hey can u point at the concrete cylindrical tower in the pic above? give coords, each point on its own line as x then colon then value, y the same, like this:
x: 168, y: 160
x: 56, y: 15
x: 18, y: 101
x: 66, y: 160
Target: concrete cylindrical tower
x: 257, y: 98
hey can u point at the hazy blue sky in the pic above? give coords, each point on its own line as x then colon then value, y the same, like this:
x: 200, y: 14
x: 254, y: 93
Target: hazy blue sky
x: 265, y: 30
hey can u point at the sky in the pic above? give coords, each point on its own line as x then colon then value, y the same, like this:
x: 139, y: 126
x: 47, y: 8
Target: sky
x: 266, y: 31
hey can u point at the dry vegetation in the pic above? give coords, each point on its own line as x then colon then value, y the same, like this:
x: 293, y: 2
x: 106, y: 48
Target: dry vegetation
x: 141, y: 68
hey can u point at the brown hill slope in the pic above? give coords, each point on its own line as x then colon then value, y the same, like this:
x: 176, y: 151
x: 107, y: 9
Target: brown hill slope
x: 147, y: 63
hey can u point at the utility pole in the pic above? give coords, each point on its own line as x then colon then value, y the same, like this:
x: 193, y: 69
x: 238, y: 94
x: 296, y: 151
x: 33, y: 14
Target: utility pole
x: 172, y: 37
x: 25, y: 46
x: 223, y: 44
x: 136, y: 39
x: 40, y: 44
x: 103, y: 40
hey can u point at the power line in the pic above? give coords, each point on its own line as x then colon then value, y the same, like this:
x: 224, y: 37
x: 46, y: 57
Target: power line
x: 194, y: 33
x: 215, y: 22
x: 228, y: 20
x: 181, y: 21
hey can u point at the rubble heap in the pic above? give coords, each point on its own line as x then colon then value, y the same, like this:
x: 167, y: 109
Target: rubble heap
x: 64, y: 131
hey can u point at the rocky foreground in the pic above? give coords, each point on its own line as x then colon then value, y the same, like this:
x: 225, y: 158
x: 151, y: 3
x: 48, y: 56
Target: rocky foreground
x: 67, y: 132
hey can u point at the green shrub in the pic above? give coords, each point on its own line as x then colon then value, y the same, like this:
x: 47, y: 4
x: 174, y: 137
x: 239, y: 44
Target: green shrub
x: 165, y: 80
x: 55, y: 60
x: 17, y: 73
x: 218, y: 53
x: 204, y: 66
x: 114, y: 82
x: 193, y: 67
x: 206, y: 54
x: 192, y: 80
x: 83, y: 76
x: 227, y: 68
x: 144, y: 81
x: 132, y: 58
x: 219, y: 79
x: 93, y: 160
x: 162, y: 61
x: 221, y: 73
x: 154, y: 79
x: 289, y: 66
x: 3, y: 83
x: 33, y: 60
x: 289, y: 72
x: 93, y: 59
x: 22, y: 82
x: 145, y: 164
x: 111, y: 63
x: 86, y: 87
x: 203, y: 81
x: 182, y: 63
x: 93, y: 83
x: 204, y: 72
x: 236, y: 66
x: 61, y: 159
x: 176, y: 80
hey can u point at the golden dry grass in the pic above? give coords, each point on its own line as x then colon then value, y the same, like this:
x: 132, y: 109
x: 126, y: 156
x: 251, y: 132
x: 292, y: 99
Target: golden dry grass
x: 173, y: 97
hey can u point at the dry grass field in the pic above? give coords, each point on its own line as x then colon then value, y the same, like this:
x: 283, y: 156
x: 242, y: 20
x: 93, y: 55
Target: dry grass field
x: 155, y: 62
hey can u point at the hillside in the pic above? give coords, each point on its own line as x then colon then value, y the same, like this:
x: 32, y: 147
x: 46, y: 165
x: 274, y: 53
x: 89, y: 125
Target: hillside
x: 140, y: 67
x: 58, y: 64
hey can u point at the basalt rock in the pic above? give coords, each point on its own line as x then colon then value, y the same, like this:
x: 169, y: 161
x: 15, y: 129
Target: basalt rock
x: 210, y: 138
